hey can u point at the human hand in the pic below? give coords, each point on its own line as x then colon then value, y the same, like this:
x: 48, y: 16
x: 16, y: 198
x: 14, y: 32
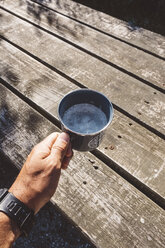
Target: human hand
x: 39, y: 176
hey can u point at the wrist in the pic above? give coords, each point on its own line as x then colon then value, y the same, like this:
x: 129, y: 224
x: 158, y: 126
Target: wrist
x: 24, y: 195
x: 9, y: 232
x: 15, y: 209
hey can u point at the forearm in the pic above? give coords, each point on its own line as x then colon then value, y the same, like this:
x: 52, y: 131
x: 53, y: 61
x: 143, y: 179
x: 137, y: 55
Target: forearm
x: 34, y: 186
x: 9, y: 231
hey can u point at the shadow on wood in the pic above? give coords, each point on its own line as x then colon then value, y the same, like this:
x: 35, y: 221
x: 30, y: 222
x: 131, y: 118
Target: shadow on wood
x: 138, y: 13
x: 38, y: 13
x: 51, y: 229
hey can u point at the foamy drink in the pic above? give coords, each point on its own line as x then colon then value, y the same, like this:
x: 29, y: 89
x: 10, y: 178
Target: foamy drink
x: 84, y: 118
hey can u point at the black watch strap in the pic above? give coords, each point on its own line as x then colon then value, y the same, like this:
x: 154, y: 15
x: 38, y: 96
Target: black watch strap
x: 16, y: 210
x: 3, y: 192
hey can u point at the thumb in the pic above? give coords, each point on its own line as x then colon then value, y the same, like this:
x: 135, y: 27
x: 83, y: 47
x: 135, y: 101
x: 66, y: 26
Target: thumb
x: 60, y: 146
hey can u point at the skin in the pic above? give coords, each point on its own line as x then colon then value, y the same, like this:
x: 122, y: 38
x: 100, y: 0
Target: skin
x: 37, y: 180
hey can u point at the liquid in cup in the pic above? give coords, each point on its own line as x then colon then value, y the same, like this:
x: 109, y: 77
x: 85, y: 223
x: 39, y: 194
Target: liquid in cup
x: 84, y: 118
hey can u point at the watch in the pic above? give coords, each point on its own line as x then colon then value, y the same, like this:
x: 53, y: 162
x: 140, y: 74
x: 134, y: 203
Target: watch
x: 16, y: 210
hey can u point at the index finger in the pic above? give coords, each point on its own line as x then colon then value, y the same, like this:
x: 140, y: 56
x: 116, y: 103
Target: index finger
x: 49, y: 140
x: 60, y: 146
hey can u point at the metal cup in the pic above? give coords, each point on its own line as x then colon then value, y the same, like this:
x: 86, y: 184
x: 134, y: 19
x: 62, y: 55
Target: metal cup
x: 85, y: 141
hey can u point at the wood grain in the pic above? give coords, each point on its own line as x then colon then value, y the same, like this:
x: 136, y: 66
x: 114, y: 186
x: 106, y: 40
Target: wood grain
x: 131, y: 95
x: 128, y: 144
x: 112, y: 26
x: 106, y: 207
x: 118, y: 54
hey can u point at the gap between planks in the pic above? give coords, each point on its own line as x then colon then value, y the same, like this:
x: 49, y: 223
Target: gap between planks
x: 149, y: 150
x: 142, y: 80
x: 137, y: 120
x: 107, y: 208
x: 99, y: 30
x: 146, y: 113
x: 160, y: 201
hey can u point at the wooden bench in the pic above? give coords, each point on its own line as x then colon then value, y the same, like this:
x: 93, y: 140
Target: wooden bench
x: 116, y: 193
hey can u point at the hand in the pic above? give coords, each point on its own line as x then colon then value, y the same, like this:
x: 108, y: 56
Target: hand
x: 39, y: 176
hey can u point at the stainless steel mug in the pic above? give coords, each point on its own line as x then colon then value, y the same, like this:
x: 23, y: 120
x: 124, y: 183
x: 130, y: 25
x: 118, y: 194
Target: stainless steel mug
x: 85, y: 114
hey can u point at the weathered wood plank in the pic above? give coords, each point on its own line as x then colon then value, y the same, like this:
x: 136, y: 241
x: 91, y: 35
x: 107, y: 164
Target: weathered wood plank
x: 106, y: 207
x: 113, y: 51
x: 143, y: 38
x: 127, y: 143
x: 131, y: 95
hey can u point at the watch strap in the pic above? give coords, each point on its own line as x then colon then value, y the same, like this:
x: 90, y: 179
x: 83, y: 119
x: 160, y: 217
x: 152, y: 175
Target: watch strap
x: 17, y: 210
x: 3, y: 193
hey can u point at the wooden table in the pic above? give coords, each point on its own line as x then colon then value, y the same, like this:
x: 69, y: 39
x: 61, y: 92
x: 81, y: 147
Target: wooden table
x: 116, y: 194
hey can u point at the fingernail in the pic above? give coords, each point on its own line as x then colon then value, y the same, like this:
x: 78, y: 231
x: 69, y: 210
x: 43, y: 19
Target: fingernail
x: 64, y: 136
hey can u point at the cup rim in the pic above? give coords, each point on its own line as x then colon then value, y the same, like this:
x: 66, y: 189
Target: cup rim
x: 86, y: 134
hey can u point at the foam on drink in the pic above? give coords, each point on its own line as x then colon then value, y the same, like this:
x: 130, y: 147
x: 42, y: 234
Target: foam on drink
x: 84, y: 118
